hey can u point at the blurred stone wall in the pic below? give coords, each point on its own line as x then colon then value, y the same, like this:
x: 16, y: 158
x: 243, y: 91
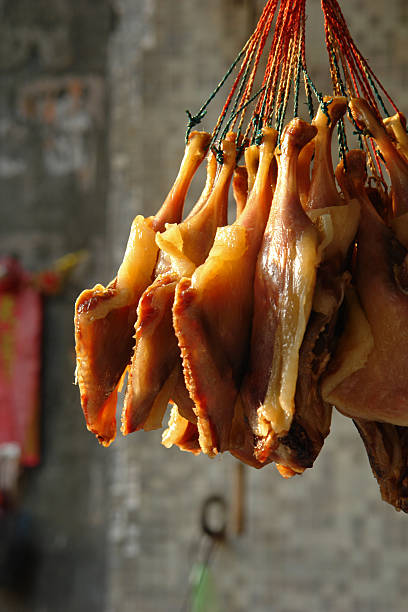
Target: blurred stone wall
x: 53, y: 185
x: 92, y: 100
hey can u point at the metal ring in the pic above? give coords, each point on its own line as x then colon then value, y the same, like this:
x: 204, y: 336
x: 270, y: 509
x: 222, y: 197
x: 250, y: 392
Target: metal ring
x: 214, y: 503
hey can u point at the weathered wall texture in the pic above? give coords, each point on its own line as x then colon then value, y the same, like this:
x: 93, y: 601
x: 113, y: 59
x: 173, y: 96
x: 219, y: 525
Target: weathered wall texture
x: 119, y: 527
x: 53, y: 182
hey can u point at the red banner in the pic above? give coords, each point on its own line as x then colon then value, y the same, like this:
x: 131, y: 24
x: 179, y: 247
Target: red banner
x: 20, y: 360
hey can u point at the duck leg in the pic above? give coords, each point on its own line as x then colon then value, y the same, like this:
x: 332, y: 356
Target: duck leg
x: 397, y: 164
x: 367, y: 378
x: 387, y: 450
x: 336, y: 220
x: 385, y: 443
x: 155, y: 365
x: 105, y: 317
x: 283, y: 293
x: 212, y: 312
x: 396, y: 127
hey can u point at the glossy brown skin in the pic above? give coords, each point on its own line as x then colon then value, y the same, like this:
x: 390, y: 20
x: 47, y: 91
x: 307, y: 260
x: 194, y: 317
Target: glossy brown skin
x: 378, y: 390
x: 323, y: 191
x: 299, y: 448
x: 387, y: 450
x: 156, y: 352
x: 240, y: 188
x: 181, y: 433
x: 304, y: 178
x: 380, y: 200
x: 386, y: 444
x: 213, y: 345
x: 116, y: 329
x: 104, y: 343
x: 155, y: 357
x: 251, y: 164
x: 396, y: 127
x: 273, y: 286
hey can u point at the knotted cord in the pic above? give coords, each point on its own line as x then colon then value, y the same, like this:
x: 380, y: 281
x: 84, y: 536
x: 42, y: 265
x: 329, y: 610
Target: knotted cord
x: 284, y: 63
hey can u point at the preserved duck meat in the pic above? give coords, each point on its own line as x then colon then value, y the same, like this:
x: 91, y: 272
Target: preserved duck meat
x: 283, y: 293
x: 303, y: 176
x: 385, y: 443
x: 181, y: 432
x: 396, y: 126
x: 240, y: 188
x: 380, y: 199
x: 336, y: 221
x: 387, y: 450
x: 105, y: 316
x: 254, y: 331
x: 251, y: 163
x: 212, y: 312
x: 396, y: 164
x: 367, y: 377
x: 155, y: 365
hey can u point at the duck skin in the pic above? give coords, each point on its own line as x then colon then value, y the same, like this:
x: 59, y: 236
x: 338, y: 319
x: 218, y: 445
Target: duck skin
x: 387, y: 450
x: 213, y: 309
x: 105, y: 316
x: 396, y: 164
x: 367, y: 378
x: 396, y: 127
x: 240, y: 188
x: 156, y: 364
x: 182, y: 433
x: 336, y: 220
x: 283, y: 293
x: 387, y: 444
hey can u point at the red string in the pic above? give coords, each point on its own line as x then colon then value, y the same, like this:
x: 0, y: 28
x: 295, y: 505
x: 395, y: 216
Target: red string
x: 252, y: 43
x: 357, y: 65
x: 287, y: 43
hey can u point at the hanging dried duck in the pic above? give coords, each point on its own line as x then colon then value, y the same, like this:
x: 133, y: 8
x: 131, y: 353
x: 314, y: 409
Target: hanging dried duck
x: 156, y: 366
x: 105, y: 317
x: 295, y: 443
x: 252, y: 331
x: 212, y: 346
x: 381, y: 280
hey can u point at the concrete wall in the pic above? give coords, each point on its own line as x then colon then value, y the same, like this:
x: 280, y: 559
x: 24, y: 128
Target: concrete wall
x: 53, y: 185
x: 119, y: 527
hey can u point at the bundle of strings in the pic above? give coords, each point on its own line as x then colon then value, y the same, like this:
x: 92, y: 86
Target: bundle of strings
x: 251, y: 329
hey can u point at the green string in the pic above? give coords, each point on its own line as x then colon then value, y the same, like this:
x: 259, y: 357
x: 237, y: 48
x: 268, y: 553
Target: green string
x: 219, y: 155
x: 235, y: 105
x: 380, y: 155
x: 217, y: 149
x: 237, y: 112
x: 196, y: 119
x: 281, y: 114
x: 297, y: 85
x: 323, y: 105
x: 343, y: 147
x: 357, y: 132
x: 377, y: 93
x: 339, y: 79
x: 309, y: 100
x: 257, y: 135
